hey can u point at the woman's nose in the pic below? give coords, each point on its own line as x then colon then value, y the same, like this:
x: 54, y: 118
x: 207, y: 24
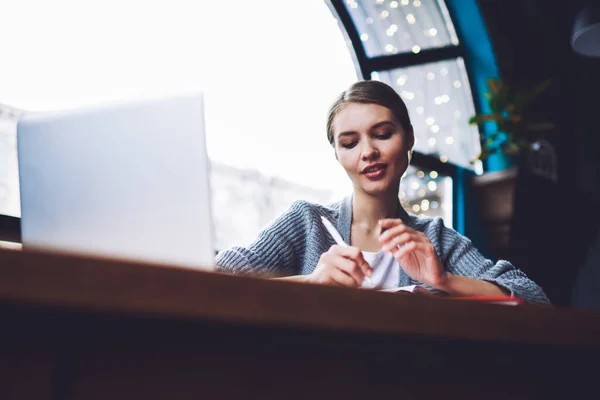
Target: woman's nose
x: 369, y: 152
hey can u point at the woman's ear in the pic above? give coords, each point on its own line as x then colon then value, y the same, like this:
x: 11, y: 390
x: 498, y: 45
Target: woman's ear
x: 411, y: 143
x: 411, y: 137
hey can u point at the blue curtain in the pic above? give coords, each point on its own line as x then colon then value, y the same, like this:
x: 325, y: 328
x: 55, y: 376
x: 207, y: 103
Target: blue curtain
x: 481, y: 64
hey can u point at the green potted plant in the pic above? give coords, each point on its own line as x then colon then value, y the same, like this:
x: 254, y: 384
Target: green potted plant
x: 510, y: 133
x: 509, y: 129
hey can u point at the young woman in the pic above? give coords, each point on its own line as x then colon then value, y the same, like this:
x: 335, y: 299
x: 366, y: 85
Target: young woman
x: 372, y: 136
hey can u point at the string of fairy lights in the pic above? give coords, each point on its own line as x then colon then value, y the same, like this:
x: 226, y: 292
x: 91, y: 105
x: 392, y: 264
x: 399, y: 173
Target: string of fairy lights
x: 391, y: 27
x: 427, y: 194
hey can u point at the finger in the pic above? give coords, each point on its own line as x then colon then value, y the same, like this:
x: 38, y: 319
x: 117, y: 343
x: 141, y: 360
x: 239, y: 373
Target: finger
x: 346, y: 264
x: 407, y: 248
x: 342, y: 279
x: 348, y: 252
x: 337, y: 249
x: 337, y: 260
x: 364, y: 266
x: 387, y: 223
x: 414, y: 245
x: 351, y: 268
x: 393, y: 243
x: 395, y: 231
x: 354, y: 254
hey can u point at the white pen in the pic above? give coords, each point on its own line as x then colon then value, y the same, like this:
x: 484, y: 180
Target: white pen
x: 340, y: 241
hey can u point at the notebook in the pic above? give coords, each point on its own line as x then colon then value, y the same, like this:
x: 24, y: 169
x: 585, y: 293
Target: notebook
x: 494, y: 299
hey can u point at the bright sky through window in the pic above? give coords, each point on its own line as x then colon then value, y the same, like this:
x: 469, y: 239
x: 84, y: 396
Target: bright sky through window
x: 269, y: 69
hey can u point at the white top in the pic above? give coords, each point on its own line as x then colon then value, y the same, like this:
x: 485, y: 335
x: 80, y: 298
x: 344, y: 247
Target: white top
x: 386, y: 270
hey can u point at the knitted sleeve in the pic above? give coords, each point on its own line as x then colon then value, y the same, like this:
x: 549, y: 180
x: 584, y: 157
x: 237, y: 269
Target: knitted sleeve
x: 278, y: 250
x: 460, y: 257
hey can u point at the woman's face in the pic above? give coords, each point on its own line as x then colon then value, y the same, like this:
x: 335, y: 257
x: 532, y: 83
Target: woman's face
x: 372, y: 147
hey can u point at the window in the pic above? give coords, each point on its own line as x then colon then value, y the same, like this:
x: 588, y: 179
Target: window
x: 268, y: 79
x: 9, y: 176
x: 391, y: 27
x: 427, y: 194
x: 439, y: 101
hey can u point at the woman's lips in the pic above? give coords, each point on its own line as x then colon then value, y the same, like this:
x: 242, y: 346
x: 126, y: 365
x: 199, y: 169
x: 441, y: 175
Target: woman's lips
x: 377, y: 173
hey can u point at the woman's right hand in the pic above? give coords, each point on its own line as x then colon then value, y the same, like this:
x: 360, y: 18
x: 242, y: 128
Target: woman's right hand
x: 341, y: 266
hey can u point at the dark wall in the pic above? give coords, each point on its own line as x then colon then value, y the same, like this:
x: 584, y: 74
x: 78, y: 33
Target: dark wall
x: 555, y: 223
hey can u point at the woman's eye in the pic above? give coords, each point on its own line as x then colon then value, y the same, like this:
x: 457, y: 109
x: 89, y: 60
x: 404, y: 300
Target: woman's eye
x: 349, y: 145
x: 384, y: 135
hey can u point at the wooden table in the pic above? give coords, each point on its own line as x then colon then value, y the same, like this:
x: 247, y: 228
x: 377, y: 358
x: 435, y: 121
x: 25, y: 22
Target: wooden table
x: 76, y: 327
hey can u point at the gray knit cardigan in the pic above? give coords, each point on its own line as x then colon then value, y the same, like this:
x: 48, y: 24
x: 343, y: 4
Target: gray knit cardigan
x: 293, y: 244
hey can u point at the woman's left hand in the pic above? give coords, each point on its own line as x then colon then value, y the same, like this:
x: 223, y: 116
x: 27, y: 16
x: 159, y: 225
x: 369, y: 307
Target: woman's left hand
x: 416, y: 254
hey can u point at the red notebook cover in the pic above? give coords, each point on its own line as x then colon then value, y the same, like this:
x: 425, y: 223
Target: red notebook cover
x: 504, y: 300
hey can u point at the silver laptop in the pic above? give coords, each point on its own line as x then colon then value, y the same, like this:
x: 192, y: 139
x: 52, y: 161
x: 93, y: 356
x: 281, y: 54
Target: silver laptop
x: 128, y: 180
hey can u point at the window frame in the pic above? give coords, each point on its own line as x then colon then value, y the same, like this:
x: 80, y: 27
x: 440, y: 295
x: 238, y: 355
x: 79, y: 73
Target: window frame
x: 10, y: 228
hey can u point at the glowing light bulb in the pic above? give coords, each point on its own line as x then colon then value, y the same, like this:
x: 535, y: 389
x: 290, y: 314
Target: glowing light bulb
x: 407, y: 95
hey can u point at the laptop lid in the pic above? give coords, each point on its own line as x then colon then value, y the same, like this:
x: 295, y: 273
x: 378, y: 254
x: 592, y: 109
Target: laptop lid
x: 128, y: 180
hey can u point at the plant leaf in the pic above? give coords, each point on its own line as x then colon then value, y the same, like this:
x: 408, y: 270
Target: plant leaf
x: 495, y: 85
x: 540, y: 126
x: 525, y: 98
x: 481, y: 118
